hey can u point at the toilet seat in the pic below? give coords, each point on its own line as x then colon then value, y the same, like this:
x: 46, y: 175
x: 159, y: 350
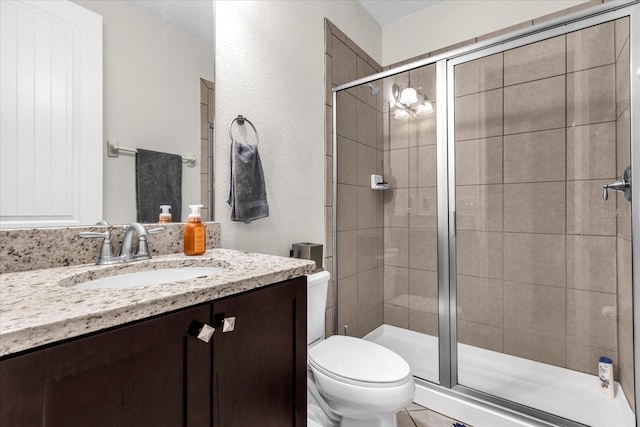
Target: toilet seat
x: 358, y: 362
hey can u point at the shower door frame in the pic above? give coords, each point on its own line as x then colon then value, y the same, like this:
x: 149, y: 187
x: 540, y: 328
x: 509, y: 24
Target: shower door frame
x: 446, y: 214
x: 570, y: 24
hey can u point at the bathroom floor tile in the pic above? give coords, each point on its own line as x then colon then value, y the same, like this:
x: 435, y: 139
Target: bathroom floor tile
x: 404, y: 419
x: 415, y: 415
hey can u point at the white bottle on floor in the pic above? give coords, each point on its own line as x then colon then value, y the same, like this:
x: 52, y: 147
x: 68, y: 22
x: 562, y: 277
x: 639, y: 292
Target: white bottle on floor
x: 605, y: 372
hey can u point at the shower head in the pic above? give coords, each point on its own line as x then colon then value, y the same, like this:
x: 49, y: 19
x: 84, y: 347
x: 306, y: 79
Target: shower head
x: 374, y: 89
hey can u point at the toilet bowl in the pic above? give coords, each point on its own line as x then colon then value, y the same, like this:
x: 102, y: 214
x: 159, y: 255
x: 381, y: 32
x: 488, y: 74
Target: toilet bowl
x: 356, y: 383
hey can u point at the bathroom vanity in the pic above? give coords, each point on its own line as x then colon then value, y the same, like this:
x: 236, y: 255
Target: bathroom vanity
x: 141, y: 363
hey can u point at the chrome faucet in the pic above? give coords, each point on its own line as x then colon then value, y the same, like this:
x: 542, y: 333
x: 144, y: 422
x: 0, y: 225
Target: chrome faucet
x: 107, y: 256
x: 126, y: 253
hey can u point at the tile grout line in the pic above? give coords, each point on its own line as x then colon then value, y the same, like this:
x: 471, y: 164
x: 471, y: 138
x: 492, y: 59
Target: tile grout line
x: 411, y: 418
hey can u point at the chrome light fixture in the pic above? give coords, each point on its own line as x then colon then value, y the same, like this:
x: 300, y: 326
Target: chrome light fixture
x: 409, y: 102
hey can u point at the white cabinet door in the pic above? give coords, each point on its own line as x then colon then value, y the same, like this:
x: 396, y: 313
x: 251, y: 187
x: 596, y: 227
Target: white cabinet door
x: 50, y: 114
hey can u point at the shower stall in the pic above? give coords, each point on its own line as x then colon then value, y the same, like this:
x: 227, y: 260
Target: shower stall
x: 492, y: 260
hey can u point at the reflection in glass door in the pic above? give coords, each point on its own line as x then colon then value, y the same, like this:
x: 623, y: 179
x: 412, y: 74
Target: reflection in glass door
x: 543, y: 263
x: 386, y: 235
x: 410, y: 218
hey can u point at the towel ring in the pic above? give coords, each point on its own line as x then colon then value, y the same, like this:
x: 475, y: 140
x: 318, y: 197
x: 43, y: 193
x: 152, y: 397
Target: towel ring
x: 241, y: 120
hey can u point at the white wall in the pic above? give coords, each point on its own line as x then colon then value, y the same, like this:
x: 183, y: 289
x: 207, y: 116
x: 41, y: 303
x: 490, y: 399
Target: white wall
x: 152, y: 74
x: 454, y: 21
x: 270, y: 68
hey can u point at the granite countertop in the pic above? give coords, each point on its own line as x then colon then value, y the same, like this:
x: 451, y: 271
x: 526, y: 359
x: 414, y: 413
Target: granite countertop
x: 39, y: 307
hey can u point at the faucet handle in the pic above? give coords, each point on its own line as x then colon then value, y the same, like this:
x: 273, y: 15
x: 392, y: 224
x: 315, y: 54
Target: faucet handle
x: 143, y: 245
x: 86, y: 234
x: 143, y: 249
x: 106, y: 250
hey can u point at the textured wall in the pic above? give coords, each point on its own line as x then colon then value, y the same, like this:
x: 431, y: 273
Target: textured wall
x: 270, y: 68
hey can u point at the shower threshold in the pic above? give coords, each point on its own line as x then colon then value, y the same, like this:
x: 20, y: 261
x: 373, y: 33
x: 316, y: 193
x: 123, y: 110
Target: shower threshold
x: 560, y: 391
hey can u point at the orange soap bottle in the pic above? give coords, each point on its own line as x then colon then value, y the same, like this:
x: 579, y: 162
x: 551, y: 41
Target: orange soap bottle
x: 195, y: 233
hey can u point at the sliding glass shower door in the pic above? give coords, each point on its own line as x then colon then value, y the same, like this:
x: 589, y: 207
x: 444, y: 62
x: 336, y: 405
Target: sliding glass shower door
x: 542, y: 261
x: 483, y: 224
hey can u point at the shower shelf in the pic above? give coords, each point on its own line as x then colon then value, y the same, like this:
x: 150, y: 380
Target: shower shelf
x: 378, y: 183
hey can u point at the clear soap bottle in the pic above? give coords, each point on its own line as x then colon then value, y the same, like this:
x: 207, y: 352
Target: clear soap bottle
x: 194, y: 233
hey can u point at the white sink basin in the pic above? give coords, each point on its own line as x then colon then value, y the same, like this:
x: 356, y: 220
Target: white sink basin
x: 149, y: 278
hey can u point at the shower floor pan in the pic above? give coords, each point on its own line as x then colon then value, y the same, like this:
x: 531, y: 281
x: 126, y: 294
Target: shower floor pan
x: 564, y: 392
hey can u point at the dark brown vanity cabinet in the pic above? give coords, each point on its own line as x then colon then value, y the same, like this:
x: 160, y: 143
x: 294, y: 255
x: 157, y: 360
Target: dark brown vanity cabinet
x: 259, y: 369
x: 153, y: 373
x: 149, y: 373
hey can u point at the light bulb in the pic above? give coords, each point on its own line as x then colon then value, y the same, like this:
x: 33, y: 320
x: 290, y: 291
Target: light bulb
x: 426, y: 108
x: 401, y: 114
x: 408, y: 96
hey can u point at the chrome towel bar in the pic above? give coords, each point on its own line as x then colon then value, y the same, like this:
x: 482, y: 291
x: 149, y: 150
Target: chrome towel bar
x: 114, y: 149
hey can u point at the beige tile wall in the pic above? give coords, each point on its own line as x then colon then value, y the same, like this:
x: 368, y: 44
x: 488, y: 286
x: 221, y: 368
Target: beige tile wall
x: 206, y: 120
x: 623, y: 213
x: 360, y: 213
x: 540, y: 261
x: 410, y: 209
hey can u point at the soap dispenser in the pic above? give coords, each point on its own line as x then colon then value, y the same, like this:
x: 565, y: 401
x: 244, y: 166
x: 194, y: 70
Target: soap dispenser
x: 165, y: 215
x: 194, y: 233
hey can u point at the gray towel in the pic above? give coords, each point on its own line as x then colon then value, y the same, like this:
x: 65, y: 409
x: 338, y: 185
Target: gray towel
x: 158, y: 182
x: 247, y: 192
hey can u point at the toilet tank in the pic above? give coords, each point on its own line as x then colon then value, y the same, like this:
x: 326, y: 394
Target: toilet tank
x: 317, y: 285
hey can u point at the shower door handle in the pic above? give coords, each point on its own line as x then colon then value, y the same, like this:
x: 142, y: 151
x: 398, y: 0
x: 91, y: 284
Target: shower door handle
x: 622, y: 184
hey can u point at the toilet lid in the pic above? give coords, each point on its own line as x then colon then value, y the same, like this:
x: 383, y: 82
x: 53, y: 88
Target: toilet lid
x: 358, y: 360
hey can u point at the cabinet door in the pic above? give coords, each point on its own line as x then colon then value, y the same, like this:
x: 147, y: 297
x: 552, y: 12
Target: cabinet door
x: 146, y: 374
x: 260, y: 366
x: 21, y: 380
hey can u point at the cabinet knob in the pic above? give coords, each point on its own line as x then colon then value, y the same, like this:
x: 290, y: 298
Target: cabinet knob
x: 228, y: 324
x: 200, y: 330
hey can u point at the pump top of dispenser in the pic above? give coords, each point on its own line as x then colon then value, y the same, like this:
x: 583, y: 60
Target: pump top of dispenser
x: 195, y: 212
x: 165, y: 215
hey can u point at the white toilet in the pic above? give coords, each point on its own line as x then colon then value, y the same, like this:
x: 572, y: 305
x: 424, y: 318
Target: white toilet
x: 351, y: 382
